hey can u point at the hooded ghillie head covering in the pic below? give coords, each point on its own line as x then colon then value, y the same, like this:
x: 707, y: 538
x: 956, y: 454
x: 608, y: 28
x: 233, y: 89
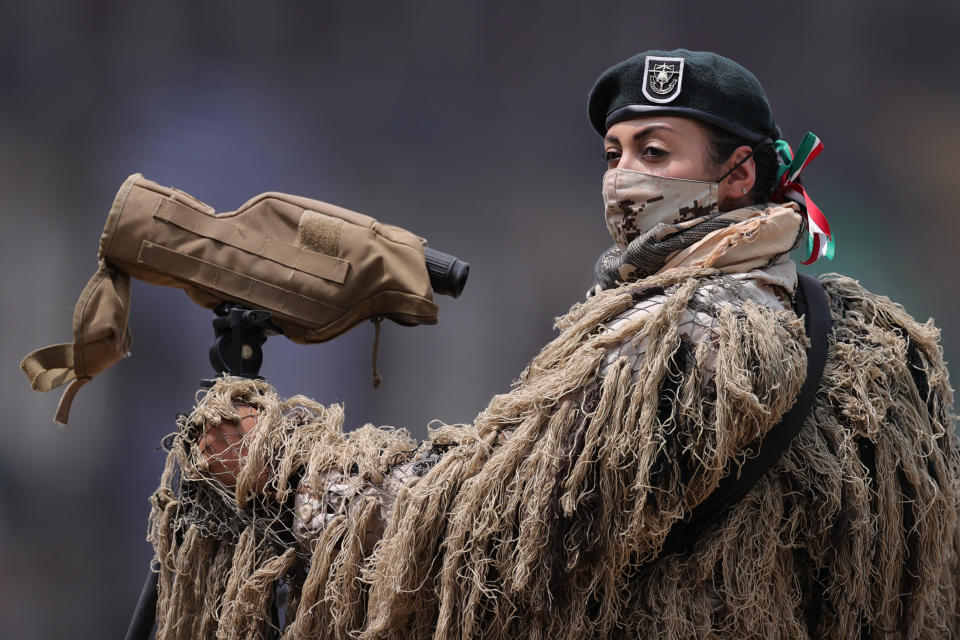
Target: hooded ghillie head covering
x: 545, y: 517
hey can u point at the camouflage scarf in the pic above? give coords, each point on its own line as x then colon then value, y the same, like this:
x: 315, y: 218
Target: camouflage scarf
x: 734, y: 241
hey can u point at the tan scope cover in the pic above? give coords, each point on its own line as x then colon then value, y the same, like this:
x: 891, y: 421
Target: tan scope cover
x: 320, y: 269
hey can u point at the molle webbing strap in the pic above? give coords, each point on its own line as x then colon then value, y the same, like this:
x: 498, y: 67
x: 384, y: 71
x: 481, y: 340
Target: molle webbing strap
x: 813, y: 304
x: 299, y: 258
x: 231, y: 283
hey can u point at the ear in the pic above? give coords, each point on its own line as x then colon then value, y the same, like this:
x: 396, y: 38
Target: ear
x: 735, y: 187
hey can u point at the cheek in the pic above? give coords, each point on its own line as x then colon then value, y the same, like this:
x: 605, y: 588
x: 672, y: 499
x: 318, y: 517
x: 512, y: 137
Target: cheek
x: 685, y: 168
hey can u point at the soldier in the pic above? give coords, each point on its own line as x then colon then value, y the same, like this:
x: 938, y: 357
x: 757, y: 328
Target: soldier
x: 708, y: 448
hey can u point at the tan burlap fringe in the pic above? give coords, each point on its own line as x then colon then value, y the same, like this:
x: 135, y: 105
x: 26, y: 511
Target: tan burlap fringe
x: 554, y: 532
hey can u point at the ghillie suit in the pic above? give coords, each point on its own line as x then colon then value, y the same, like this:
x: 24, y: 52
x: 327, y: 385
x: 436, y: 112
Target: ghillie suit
x: 545, y: 518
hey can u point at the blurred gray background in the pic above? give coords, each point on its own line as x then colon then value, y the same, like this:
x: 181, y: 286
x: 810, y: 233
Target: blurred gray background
x: 462, y: 121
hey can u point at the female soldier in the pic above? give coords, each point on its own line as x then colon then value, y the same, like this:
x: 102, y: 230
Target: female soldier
x: 679, y: 462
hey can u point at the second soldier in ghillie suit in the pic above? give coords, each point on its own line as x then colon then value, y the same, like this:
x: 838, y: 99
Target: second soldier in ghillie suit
x: 573, y: 505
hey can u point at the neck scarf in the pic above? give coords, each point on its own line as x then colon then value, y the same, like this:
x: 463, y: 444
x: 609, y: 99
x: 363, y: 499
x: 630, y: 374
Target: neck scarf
x: 732, y: 241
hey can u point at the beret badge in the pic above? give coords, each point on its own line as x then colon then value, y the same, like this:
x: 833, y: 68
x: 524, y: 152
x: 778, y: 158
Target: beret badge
x: 663, y: 78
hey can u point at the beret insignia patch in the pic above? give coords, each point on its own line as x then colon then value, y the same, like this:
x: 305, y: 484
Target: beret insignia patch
x: 663, y: 78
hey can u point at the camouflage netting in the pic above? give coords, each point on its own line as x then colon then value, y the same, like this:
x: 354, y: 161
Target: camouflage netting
x: 545, y: 517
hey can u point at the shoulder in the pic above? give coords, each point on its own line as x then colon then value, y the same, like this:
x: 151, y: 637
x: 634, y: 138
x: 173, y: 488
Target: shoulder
x: 689, y: 310
x: 885, y: 346
x: 856, y: 309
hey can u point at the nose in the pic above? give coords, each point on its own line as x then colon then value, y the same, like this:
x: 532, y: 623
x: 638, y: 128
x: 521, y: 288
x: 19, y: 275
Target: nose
x: 629, y: 161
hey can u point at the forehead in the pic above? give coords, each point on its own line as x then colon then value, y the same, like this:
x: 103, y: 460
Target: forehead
x: 682, y: 130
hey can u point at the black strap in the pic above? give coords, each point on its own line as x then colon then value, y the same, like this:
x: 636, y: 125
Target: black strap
x: 813, y: 304
x: 145, y: 614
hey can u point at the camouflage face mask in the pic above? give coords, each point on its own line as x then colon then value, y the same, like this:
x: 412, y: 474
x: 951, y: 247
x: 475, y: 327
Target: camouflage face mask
x: 637, y: 202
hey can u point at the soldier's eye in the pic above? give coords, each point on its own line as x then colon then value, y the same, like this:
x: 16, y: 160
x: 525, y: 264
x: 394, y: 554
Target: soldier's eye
x: 611, y: 155
x: 653, y: 152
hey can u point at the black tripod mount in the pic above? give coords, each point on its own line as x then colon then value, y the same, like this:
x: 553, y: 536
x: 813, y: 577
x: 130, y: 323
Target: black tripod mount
x: 239, y: 334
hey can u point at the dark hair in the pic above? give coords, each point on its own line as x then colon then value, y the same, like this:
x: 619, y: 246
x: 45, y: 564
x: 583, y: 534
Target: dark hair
x: 722, y: 146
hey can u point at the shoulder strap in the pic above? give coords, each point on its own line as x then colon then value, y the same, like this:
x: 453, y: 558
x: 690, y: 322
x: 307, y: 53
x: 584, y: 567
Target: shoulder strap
x: 813, y: 304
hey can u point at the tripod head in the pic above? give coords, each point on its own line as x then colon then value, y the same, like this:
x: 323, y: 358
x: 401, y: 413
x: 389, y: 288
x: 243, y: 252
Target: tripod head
x: 237, y: 348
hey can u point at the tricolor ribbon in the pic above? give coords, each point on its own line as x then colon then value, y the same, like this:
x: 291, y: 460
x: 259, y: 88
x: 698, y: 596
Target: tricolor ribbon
x: 820, y: 241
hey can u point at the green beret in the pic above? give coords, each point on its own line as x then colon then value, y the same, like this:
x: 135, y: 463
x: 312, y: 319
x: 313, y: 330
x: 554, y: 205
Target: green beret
x: 693, y: 84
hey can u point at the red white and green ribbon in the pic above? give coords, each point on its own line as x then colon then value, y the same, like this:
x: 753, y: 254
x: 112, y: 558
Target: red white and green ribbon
x: 820, y: 241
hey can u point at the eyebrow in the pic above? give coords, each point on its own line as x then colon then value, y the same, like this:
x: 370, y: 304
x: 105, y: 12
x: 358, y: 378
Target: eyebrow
x: 640, y: 134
